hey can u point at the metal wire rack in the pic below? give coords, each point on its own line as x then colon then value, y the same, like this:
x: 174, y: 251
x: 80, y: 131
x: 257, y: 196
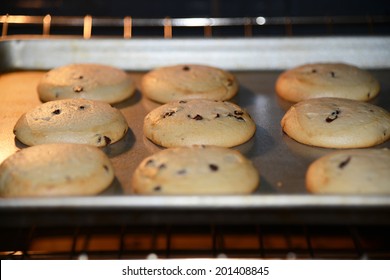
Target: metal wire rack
x: 129, y: 27
x: 206, y: 241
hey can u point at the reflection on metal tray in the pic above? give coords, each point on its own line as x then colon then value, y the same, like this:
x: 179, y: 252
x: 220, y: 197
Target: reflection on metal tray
x: 274, y: 53
x: 281, y: 197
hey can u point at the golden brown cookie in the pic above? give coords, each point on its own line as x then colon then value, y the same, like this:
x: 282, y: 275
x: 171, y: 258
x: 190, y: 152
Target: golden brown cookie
x: 191, y: 81
x: 55, y: 170
x: 198, y: 122
x: 337, y: 123
x: 364, y: 171
x: 195, y: 170
x: 86, y: 81
x: 327, y: 80
x: 71, y: 121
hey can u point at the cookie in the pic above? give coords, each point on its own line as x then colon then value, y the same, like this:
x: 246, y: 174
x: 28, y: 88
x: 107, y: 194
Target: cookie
x: 337, y: 123
x: 183, y: 82
x: 86, y: 81
x: 364, y: 171
x: 327, y: 80
x: 197, y: 122
x: 196, y: 170
x: 71, y: 121
x: 55, y: 170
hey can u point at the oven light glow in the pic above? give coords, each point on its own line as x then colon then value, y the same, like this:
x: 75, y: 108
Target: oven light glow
x: 261, y: 20
x: 192, y: 21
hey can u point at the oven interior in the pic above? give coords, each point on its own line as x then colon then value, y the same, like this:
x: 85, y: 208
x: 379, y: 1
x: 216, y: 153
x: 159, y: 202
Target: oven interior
x: 215, y: 238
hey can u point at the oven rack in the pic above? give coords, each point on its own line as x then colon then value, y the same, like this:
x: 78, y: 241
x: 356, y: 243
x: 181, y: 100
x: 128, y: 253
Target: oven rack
x: 125, y: 27
x: 206, y: 241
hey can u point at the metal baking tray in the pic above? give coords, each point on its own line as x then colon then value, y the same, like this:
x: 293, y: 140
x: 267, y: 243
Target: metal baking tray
x: 257, y: 62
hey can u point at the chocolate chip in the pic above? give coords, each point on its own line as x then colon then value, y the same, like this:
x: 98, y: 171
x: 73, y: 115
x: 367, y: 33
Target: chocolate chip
x: 181, y: 172
x: 149, y: 162
x: 81, y: 77
x: 197, y: 117
x: 78, y: 89
x: 81, y: 107
x: 162, y: 166
x: 182, y: 101
x: 314, y: 70
x: 344, y: 163
x: 332, y: 74
x: 217, y: 116
x: 236, y: 112
x: 331, y: 118
x: 107, y: 140
x: 186, y: 68
x: 236, y: 117
x: 213, y: 167
x: 157, y: 188
x: 106, y: 168
x: 168, y: 114
x: 334, y: 115
x: 56, y: 112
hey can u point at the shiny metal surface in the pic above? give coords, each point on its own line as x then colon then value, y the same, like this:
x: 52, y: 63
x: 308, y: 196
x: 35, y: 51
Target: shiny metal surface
x: 272, y: 53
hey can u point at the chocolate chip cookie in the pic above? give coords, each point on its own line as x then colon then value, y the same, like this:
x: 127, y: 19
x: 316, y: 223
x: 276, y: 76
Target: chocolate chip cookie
x: 198, y: 122
x: 195, y: 170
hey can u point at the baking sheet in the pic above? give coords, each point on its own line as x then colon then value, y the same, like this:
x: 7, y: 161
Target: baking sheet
x: 282, y: 162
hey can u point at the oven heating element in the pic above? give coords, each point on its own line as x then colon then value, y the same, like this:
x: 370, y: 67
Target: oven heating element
x: 213, y: 241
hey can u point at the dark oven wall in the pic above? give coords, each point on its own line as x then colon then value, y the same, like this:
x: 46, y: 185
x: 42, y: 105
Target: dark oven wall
x: 196, y: 8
